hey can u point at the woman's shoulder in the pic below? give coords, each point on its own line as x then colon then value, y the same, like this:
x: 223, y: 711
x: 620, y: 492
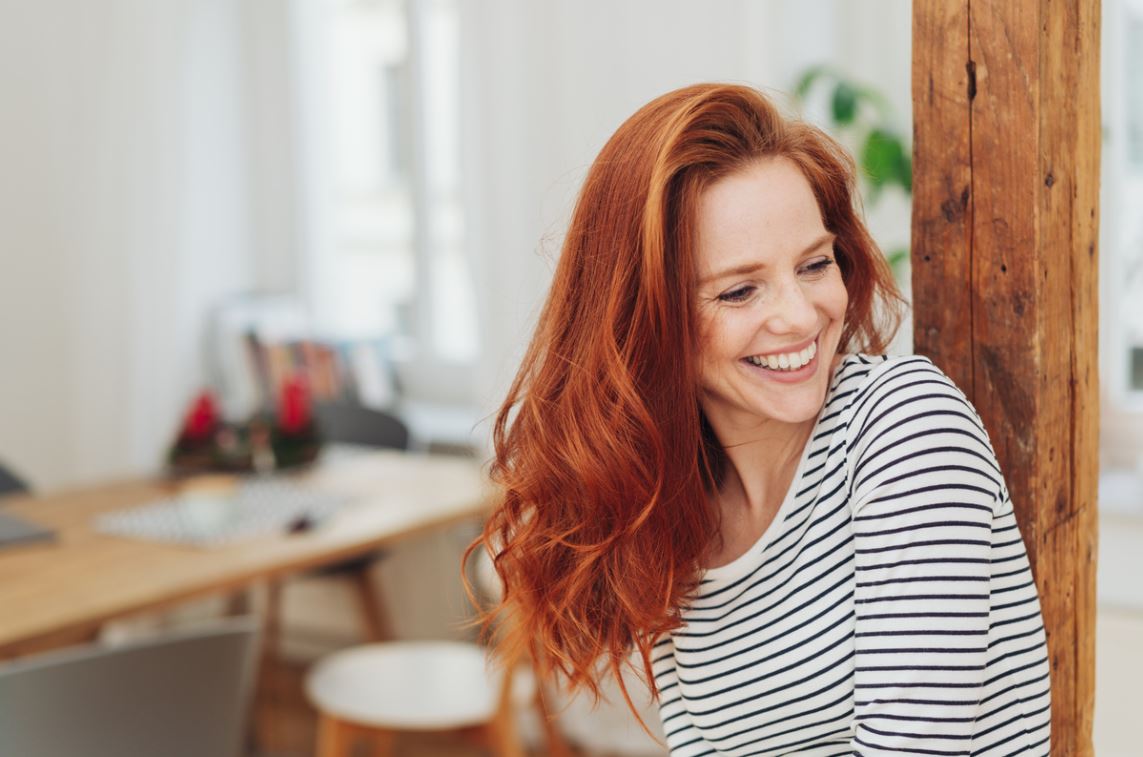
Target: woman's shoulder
x: 899, y: 381
x: 868, y: 372
x: 871, y: 380
x: 907, y: 408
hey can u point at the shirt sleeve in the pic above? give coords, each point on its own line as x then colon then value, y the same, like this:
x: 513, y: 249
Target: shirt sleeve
x: 924, y: 491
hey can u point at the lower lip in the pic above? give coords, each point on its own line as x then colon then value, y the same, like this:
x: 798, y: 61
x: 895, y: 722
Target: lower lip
x: 787, y: 377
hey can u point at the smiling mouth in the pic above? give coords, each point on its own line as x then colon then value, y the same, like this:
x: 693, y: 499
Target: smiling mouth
x: 789, y: 362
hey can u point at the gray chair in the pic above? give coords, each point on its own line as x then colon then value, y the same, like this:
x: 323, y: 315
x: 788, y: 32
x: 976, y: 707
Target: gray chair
x: 351, y: 423
x: 185, y: 694
x: 10, y: 483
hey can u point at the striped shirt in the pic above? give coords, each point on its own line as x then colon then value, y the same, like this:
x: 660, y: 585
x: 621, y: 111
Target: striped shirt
x: 888, y: 609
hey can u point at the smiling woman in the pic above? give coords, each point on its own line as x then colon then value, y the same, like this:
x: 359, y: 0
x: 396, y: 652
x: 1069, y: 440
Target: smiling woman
x: 765, y: 297
x: 705, y: 459
x: 771, y: 309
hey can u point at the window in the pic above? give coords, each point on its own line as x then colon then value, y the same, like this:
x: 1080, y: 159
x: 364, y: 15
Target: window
x: 1131, y: 240
x: 387, y: 248
x: 1133, y: 85
x: 1121, y: 226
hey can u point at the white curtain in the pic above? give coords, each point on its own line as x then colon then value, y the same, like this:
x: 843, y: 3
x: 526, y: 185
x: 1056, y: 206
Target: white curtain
x: 125, y: 213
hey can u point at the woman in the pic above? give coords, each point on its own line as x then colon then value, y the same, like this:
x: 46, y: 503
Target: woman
x: 706, y: 459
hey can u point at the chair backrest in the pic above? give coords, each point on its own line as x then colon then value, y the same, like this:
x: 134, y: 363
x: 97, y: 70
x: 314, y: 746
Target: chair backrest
x: 10, y: 483
x: 350, y: 423
x: 185, y: 694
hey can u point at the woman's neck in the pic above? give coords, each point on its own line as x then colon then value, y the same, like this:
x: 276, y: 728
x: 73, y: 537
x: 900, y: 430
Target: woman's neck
x: 761, y: 466
x: 758, y: 475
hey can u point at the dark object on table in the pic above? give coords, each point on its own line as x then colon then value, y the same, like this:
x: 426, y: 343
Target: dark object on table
x: 302, y: 524
x: 184, y: 694
x: 15, y: 530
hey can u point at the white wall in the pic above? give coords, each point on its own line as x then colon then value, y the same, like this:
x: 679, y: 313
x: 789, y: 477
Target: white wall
x: 124, y: 213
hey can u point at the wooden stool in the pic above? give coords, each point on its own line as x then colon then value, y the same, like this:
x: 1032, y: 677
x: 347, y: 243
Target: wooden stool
x: 374, y: 691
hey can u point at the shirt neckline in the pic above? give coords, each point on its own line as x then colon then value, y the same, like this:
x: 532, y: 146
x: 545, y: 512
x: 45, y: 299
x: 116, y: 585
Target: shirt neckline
x: 746, y: 561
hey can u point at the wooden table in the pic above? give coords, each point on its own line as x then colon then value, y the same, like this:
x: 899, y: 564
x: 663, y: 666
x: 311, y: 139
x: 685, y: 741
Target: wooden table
x: 50, y: 592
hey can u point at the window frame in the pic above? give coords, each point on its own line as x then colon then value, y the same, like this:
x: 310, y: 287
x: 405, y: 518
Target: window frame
x: 424, y: 373
x: 1121, y: 434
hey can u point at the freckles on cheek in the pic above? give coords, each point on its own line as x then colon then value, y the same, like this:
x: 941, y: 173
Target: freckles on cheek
x: 707, y: 333
x: 711, y: 329
x: 704, y: 316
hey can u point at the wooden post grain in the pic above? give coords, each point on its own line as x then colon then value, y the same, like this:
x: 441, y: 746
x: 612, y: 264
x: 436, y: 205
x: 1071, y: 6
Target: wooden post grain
x: 1005, y: 280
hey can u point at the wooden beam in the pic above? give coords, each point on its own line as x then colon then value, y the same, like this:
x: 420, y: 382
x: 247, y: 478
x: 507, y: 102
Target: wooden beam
x: 1005, y: 280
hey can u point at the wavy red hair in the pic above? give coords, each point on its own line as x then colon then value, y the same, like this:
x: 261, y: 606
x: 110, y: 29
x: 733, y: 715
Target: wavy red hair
x: 605, y: 462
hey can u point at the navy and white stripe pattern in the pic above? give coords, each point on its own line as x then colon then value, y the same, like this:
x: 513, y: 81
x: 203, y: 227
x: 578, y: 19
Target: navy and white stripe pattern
x: 889, y: 608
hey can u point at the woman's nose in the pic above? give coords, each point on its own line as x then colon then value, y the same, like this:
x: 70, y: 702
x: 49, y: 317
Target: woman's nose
x: 791, y: 310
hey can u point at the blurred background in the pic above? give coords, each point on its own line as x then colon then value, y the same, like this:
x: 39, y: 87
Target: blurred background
x: 403, y: 170
x: 390, y: 179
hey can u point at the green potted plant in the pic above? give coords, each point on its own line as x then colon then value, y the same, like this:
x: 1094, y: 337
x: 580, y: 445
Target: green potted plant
x: 864, y: 118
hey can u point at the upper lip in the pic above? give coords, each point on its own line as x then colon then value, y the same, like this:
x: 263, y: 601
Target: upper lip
x: 785, y: 351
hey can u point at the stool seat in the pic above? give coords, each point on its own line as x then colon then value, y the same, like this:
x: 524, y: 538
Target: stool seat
x: 407, y: 685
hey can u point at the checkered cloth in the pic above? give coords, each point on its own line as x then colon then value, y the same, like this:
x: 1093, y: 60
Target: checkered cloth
x: 258, y: 507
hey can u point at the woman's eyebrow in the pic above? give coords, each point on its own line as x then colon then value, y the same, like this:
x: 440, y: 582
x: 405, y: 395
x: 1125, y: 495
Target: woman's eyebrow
x: 752, y: 267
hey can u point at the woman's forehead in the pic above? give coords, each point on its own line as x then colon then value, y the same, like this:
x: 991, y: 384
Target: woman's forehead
x: 766, y: 214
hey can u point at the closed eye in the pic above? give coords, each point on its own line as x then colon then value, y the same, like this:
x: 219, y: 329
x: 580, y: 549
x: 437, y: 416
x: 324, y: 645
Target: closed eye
x: 819, y: 267
x: 741, y: 294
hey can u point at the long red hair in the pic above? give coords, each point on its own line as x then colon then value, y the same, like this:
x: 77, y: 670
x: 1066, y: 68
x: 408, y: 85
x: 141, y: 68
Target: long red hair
x: 605, y: 462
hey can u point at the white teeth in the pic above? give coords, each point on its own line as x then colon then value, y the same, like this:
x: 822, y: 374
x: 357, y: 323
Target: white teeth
x: 788, y: 361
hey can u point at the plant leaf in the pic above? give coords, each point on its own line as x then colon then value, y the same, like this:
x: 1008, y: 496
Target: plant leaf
x: 844, y: 103
x: 878, y: 100
x: 906, y: 170
x: 883, y: 158
x: 897, y: 257
x: 807, y: 79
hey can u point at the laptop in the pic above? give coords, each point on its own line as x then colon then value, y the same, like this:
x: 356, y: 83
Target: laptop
x: 15, y: 530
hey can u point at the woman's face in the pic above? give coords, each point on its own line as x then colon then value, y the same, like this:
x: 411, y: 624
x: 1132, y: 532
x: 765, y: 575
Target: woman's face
x: 770, y: 299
